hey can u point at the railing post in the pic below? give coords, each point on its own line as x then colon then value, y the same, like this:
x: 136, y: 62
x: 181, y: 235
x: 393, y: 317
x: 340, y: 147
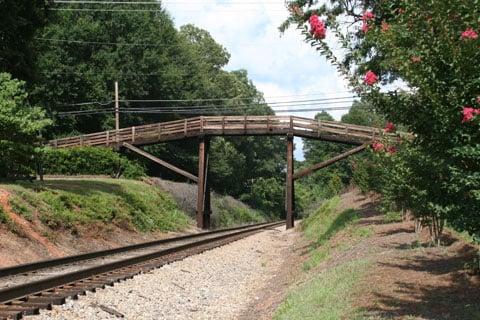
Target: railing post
x: 108, y: 138
x: 185, y: 128
x: 201, y: 125
x: 291, y: 125
x: 133, y: 134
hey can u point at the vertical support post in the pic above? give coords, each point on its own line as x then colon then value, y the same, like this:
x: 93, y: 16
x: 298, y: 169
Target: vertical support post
x: 207, y: 206
x: 203, y: 194
x: 117, y: 112
x: 290, y: 193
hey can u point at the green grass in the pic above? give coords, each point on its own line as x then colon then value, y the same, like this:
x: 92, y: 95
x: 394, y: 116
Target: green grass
x: 321, y: 225
x: 362, y: 232
x: 329, y: 293
x: 228, y: 215
x: 326, y: 221
x: 328, y: 296
x: 392, y: 216
x: 63, y: 204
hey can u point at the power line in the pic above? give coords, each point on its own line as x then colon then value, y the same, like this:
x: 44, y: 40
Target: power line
x: 229, y: 99
x: 199, y: 112
x: 278, y: 104
x: 107, y: 43
x: 139, y: 44
x: 213, y: 108
x: 144, y: 10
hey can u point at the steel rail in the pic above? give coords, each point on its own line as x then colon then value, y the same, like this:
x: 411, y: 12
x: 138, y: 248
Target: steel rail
x: 37, y: 287
x: 36, y: 266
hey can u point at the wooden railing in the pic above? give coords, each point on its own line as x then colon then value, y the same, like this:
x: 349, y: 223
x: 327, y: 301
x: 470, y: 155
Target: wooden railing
x: 226, y: 126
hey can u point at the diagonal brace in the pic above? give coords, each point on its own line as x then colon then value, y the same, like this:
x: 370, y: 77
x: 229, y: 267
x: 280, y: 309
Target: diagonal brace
x: 161, y: 162
x: 326, y: 163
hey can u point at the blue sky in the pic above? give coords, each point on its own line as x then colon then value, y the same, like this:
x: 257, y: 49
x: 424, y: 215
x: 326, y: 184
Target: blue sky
x: 283, y: 67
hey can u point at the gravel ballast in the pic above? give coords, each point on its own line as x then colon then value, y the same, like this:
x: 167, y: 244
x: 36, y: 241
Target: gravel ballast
x: 218, y: 284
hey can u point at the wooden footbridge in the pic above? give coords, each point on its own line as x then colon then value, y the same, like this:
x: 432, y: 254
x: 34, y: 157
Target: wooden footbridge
x: 205, y: 127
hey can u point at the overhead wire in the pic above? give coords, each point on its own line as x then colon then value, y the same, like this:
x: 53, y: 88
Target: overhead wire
x: 198, y: 112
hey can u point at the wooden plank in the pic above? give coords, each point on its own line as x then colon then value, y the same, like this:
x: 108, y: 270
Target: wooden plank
x: 161, y: 162
x: 318, y: 166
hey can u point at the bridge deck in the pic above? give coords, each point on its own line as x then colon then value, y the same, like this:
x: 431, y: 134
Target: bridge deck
x: 226, y: 126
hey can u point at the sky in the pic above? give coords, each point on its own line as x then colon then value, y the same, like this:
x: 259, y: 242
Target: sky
x: 282, y: 66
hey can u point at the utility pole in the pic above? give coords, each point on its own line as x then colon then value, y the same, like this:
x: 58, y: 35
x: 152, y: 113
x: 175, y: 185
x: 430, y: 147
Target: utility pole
x: 117, y: 109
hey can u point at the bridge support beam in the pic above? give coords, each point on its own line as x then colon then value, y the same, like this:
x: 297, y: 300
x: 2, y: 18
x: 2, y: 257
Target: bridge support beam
x: 326, y: 163
x: 160, y: 162
x: 203, y: 194
x: 290, y: 186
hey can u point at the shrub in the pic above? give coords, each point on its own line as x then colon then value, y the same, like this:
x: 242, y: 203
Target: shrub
x: 90, y: 161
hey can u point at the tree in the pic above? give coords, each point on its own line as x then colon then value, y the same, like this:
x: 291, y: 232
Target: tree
x: 20, y: 126
x: 19, y: 19
x: 411, y: 41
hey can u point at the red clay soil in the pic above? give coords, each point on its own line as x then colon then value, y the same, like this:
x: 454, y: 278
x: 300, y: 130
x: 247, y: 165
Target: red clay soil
x: 412, y: 280
x: 26, y: 227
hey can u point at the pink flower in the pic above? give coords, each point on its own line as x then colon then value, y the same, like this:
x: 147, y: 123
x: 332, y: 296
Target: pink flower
x: 370, y: 78
x: 389, y: 127
x: 469, y: 34
x: 317, y: 26
x: 368, y: 15
x: 385, y: 26
x: 365, y: 27
x: 378, y: 146
x: 469, y: 113
x: 392, y: 149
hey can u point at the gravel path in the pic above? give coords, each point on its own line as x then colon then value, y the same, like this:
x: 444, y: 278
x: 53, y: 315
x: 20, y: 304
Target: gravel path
x: 218, y: 284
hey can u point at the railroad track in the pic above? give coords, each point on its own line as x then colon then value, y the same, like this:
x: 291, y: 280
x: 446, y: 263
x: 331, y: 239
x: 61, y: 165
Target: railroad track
x: 27, y: 288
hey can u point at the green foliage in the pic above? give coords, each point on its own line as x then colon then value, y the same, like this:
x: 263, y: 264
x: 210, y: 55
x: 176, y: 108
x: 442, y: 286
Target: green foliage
x: 229, y: 215
x: 267, y: 195
x: 90, y: 161
x: 420, y: 44
x: 327, y: 296
x: 392, y: 216
x: 64, y: 204
x: 20, y: 125
x: 19, y: 20
x: 19, y: 207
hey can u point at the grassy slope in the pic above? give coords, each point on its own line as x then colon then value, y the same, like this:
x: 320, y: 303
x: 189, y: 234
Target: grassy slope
x: 328, y: 293
x: 229, y: 214
x: 63, y: 204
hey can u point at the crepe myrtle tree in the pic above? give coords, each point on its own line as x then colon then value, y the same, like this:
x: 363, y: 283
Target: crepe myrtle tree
x: 432, y: 49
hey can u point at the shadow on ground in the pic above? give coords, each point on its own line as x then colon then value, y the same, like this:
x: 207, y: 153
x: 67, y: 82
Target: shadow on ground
x: 448, y: 293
